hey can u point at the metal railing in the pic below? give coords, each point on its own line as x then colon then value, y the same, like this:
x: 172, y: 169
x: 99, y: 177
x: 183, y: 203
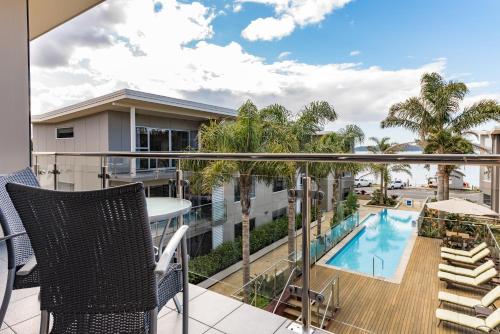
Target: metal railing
x: 447, y: 159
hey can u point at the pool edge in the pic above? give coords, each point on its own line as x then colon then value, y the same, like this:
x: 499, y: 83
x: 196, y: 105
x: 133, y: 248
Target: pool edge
x: 400, y: 270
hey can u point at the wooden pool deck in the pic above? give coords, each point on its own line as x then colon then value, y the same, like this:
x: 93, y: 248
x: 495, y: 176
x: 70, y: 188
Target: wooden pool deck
x: 370, y: 305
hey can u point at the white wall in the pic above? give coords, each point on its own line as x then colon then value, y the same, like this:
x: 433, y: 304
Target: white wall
x: 14, y: 86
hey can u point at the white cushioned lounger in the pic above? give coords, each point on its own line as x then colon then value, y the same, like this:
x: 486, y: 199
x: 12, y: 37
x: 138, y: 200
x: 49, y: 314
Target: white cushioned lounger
x: 467, y: 272
x: 486, y: 301
x: 464, y: 280
x: 465, y: 259
x: 469, y: 253
x: 485, y: 325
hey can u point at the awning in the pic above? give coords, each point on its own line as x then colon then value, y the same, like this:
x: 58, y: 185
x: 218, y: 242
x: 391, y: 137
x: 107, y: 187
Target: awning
x: 45, y: 15
x: 461, y: 207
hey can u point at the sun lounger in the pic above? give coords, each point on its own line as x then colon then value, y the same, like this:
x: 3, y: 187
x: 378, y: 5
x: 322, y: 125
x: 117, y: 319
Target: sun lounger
x: 466, y: 259
x: 486, y: 301
x: 484, y: 325
x: 469, y: 253
x: 465, y: 271
x: 478, y: 282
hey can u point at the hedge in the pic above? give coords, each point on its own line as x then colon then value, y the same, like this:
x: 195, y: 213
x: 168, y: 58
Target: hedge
x: 229, y: 252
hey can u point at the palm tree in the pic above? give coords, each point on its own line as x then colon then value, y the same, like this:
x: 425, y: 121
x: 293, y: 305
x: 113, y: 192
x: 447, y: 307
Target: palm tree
x: 437, y: 109
x: 304, y: 128
x: 253, y: 131
x: 342, y: 141
x: 383, y: 146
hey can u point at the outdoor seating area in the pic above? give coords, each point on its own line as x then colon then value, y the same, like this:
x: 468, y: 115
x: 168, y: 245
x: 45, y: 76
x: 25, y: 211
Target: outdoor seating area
x: 473, y: 270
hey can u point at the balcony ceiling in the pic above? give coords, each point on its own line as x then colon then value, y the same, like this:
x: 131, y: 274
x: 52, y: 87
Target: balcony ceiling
x: 45, y: 15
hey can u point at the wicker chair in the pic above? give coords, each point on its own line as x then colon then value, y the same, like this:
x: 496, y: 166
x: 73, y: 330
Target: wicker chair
x: 21, y: 264
x: 96, y: 260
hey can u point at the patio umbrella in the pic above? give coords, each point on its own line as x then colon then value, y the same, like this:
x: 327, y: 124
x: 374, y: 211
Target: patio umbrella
x: 461, y: 206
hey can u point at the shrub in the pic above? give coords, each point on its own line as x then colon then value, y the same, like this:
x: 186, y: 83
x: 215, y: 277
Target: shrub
x: 388, y: 201
x: 228, y: 253
x: 351, y: 204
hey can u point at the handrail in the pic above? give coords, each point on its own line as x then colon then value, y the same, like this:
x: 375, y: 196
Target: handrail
x: 326, y: 308
x: 284, y: 289
x: 452, y: 159
x: 373, y: 263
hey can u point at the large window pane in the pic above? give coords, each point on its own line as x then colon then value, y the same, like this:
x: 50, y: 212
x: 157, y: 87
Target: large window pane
x: 159, y: 142
x: 180, y: 140
x: 141, y: 141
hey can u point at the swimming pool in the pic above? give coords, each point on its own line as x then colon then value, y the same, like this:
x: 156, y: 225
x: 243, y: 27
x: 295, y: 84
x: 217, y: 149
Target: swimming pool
x: 383, y: 239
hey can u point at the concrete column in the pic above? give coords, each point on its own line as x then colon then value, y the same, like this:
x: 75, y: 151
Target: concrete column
x: 132, y: 139
x: 14, y: 86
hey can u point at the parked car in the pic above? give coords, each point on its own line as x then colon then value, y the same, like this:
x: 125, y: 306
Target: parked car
x: 361, y: 182
x: 396, y: 184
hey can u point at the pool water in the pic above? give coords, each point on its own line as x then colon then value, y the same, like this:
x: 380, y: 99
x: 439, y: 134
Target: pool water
x: 384, y: 237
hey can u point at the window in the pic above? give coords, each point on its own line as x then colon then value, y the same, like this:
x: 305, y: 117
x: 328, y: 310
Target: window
x: 193, y: 140
x: 159, y: 141
x: 238, y: 228
x: 279, y: 184
x: 279, y: 213
x: 180, y: 140
x: 237, y: 197
x: 62, y: 133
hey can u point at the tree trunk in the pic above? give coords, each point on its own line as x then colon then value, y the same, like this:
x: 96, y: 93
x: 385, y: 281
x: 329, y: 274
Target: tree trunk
x: 381, y: 198
x: 291, y: 228
x: 386, y: 180
x: 446, y: 184
x: 245, y: 184
x: 319, y: 215
x: 440, y: 183
x: 335, y: 194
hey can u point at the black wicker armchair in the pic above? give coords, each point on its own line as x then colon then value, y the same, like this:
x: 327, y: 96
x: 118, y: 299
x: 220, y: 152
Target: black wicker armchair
x: 21, y: 264
x: 96, y: 260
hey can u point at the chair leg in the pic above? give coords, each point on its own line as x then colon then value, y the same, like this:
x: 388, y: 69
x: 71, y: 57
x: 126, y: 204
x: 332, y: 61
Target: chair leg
x: 44, y: 322
x: 178, y: 305
x: 185, y: 287
x: 153, y: 322
x: 11, y: 274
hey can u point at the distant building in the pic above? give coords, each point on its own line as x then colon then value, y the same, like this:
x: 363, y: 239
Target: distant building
x: 133, y: 121
x: 489, y: 177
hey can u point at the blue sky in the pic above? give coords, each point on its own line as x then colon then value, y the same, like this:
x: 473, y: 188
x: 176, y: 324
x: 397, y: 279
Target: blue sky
x: 360, y: 55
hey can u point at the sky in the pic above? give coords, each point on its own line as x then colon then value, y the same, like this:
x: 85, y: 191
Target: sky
x: 359, y: 55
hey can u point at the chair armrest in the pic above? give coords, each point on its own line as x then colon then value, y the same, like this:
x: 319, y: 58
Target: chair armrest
x: 168, y: 253
x: 28, y: 267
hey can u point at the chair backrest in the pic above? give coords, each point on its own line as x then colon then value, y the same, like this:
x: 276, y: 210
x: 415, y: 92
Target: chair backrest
x: 482, y: 254
x: 493, y: 320
x: 491, y: 296
x: 94, y: 249
x: 19, y: 247
x: 486, y: 276
x: 478, y: 248
x: 482, y: 268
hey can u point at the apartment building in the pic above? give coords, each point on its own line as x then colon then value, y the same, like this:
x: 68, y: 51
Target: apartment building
x: 489, y: 177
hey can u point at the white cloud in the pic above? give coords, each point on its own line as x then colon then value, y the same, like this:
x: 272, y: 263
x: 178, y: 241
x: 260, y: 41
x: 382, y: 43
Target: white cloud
x: 478, y: 84
x: 269, y: 28
x: 284, y: 54
x: 355, y: 53
x: 237, y: 7
x: 186, y: 64
x: 288, y: 15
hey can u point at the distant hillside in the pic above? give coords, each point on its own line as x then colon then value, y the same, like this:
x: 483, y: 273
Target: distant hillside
x: 409, y: 148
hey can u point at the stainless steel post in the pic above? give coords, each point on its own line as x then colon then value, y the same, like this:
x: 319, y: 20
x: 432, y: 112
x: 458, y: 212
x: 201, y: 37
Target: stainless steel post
x: 55, y: 172
x: 306, y: 269
x: 184, y: 261
x: 104, y: 173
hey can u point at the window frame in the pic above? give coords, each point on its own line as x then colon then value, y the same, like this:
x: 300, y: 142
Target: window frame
x: 65, y: 128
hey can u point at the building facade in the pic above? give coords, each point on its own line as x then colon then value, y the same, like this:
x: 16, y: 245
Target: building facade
x: 132, y: 121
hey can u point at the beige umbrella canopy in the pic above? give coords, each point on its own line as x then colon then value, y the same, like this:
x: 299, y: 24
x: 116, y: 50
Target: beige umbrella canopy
x: 462, y: 207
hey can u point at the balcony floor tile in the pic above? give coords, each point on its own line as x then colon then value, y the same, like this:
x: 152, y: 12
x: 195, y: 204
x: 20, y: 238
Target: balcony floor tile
x: 211, y: 307
x: 22, y: 309
x: 172, y: 323
x: 249, y: 320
